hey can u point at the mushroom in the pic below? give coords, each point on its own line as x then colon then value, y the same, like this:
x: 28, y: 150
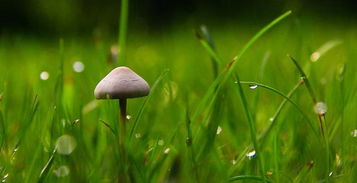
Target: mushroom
x: 121, y: 83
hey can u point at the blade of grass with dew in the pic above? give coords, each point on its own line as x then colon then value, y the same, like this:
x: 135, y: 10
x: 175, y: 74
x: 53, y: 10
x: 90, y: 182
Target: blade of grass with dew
x: 247, y: 177
x: 223, y: 76
x: 209, y: 134
x: 260, y: 77
x: 46, y: 168
x: 323, y: 49
x: 123, y: 27
x: 267, y: 130
x: 252, y: 127
x: 321, y: 118
x: 145, y: 103
x: 229, y: 72
x: 28, y: 118
x: 287, y: 98
x: 304, y: 77
x: 158, y: 165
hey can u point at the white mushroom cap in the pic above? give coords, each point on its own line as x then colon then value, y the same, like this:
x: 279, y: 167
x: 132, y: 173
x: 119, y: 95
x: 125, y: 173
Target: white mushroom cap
x: 121, y: 83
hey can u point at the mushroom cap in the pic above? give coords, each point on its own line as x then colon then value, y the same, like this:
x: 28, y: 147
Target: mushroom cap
x: 121, y: 83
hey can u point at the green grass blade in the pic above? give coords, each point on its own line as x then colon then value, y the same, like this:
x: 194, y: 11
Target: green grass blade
x: 252, y: 127
x: 123, y: 26
x: 205, y: 39
x: 47, y: 167
x: 287, y: 98
x: 304, y: 77
x: 266, y: 131
x: 321, y: 117
x: 145, y: 103
x: 223, y: 76
x: 248, y: 177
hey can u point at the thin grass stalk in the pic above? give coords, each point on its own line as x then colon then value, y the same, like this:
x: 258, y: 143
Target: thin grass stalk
x: 321, y: 117
x: 189, y: 141
x: 223, y: 76
x: 123, y: 27
x: 248, y: 177
x: 252, y: 128
x: 287, y: 98
x: 266, y: 131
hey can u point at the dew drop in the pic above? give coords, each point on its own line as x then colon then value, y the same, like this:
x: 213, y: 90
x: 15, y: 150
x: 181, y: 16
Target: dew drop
x: 137, y: 135
x: 315, y: 56
x: 61, y: 171
x: 78, y: 66
x: 44, y: 75
x: 320, y: 108
x: 271, y: 119
x: 330, y: 174
x: 251, y: 154
x: 219, y: 130
x: 354, y: 133
x: 161, y: 142
x: 5, y: 177
x: 167, y: 150
x: 65, y: 144
x: 253, y: 86
x: 128, y: 117
x: 234, y: 162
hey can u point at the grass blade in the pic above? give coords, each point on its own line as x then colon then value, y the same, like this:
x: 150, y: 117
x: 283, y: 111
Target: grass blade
x: 287, y: 98
x: 252, y: 127
x: 267, y: 131
x: 123, y: 27
x: 223, y: 76
x: 46, y: 168
x: 143, y: 106
x: 321, y: 117
x: 247, y: 177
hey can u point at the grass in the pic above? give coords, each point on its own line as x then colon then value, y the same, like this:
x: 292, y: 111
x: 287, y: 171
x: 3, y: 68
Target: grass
x: 173, y: 133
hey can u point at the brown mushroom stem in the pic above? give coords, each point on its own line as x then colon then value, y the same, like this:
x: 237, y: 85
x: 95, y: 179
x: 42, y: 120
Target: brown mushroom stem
x: 122, y: 118
x: 122, y: 105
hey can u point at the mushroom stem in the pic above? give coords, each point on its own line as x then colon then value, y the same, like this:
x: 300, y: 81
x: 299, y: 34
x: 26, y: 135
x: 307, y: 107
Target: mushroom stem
x: 122, y: 125
x: 122, y: 105
x: 122, y: 118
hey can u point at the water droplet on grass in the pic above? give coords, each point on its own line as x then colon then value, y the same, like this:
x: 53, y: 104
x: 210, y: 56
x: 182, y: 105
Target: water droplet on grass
x: 234, y: 162
x: 315, y: 56
x: 78, y: 66
x: 253, y: 86
x: 330, y: 174
x: 5, y: 177
x: 354, y: 133
x: 161, y: 142
x: 219, y: 130
x: 137, y: 135
x: 44, y: 75
x: 320, y: 108
x: 61, y: 171
x: 250, y: 154
x: 167, y: 150
x: 65, y: 144
x: 271, y: 119
x: 128, y: 117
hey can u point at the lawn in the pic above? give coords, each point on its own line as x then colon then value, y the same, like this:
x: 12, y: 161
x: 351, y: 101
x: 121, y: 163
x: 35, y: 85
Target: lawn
x: 210, y: 116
